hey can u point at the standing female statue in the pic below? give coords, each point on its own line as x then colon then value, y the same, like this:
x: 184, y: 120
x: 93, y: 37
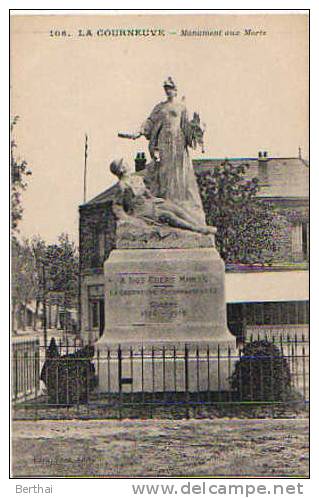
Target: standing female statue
x: 170, y: 134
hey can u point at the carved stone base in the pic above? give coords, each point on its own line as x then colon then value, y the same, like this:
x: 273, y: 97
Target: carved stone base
x: 132, y: 234
x: 165, y: 298
x: 174, y: 295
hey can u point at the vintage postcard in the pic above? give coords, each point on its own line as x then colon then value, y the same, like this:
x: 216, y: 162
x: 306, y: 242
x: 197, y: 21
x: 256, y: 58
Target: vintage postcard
x: 160, y: 246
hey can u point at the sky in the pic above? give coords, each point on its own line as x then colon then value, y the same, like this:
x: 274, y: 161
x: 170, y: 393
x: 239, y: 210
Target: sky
x: 251, y: 91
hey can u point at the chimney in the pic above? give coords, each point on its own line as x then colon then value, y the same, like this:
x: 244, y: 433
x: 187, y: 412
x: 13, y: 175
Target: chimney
x: 263, y: 168
x: 140, y: 161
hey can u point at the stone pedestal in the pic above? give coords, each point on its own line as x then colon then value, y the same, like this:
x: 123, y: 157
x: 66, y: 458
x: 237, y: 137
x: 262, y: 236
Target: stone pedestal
x: 171, y: 295
x: 160, y: 300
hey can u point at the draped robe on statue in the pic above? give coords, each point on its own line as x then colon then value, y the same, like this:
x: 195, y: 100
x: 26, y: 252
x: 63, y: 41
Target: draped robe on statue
x: 172, y: 176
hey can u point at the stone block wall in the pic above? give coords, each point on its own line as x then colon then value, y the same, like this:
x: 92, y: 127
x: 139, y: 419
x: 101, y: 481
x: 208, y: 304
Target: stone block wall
x: 286, y: 219
x: 94, y: 220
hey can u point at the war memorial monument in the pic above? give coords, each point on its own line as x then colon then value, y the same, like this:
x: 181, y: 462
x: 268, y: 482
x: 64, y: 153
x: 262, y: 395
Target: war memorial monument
x: 164, y: 281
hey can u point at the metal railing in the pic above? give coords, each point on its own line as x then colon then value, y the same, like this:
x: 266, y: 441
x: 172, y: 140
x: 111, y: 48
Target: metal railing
x: 25, y: 369
x: 186, y: 378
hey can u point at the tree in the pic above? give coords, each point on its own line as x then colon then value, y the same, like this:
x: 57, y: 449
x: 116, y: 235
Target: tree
x: 24, y: 280
x: 55, y: 269
x: 62, y: 269
x: 19, y: 172
x: 62, y: 263
x: 245, y: 226
x: 30, y: 259
x: 38, y: 248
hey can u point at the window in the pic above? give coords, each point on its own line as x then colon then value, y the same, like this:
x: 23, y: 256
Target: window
x: 296, y: 241
x: 95, y: 314
x: 267, y: 313
x: 305, y: 240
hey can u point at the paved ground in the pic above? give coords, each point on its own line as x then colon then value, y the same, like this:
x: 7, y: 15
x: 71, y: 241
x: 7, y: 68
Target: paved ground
x: 202, y: 448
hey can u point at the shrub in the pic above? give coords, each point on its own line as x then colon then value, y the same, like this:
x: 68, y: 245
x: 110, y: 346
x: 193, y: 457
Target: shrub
x: 262, y: 373
x: 68, y: 378
x: 245, y: 227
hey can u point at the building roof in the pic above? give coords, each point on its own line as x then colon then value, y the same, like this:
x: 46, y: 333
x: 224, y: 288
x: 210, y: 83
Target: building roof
x: 287, y: 177
x: 105, y: 196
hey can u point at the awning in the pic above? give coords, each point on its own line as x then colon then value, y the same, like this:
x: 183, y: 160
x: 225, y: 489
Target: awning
x: 267, y: 286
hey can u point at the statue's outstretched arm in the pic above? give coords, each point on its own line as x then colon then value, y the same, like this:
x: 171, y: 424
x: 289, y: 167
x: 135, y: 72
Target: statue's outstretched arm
x: 131, y: 136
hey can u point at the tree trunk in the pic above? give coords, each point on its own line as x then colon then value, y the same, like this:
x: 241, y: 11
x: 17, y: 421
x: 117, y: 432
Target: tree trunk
x: 14, y: 318
x: 36, y: 315
x: 24, y: 316
x: 56, y: 321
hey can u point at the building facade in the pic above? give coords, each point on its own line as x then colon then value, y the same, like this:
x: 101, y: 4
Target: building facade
x: 257, y: 296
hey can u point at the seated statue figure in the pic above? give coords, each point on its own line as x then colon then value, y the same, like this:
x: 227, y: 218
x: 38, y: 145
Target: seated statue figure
x: 134, y: 200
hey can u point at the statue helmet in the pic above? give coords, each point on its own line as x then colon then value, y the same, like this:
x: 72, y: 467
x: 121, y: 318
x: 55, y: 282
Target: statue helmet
x: 169, y: 83
x: 117, y: 166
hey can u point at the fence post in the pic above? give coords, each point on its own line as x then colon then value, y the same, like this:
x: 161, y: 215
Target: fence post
x: 37, y: 367
x: 57, y: 364
x: 304, y: 373
x: 272, y: 378
x: 197, y: 373
x: 28, y: 364
x: 164, y: 370
x: 208, y: 371
x: 76, y: 387
x: 88, y: 378
x: 230, y: 396
x: 119, y: 360
x: 15, y: 369
x: 251, y: 392
x: 131, y: 370
x: 108, y: 371
x: 174, y: 360
x: 46, y: 363
x: 289, y: 354
x: 142, y: 373
x: 218, y: 372
x: 296, y: 361
x: 186, y: 381
x: 240, y: 377
x: 25, y: 371
x: 153, y: 382
x: 98, y: 365
x: 131, y: 377
x: 282, y: 363
x: 67, y: 380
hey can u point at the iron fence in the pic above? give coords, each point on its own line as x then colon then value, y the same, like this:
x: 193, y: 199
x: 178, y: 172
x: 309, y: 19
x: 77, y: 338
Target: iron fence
x: 181, y: 380
x: 66, y: 345
x: 25, y: 365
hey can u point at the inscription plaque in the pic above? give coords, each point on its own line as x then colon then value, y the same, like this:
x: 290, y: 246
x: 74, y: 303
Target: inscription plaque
x: 174, y: 295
